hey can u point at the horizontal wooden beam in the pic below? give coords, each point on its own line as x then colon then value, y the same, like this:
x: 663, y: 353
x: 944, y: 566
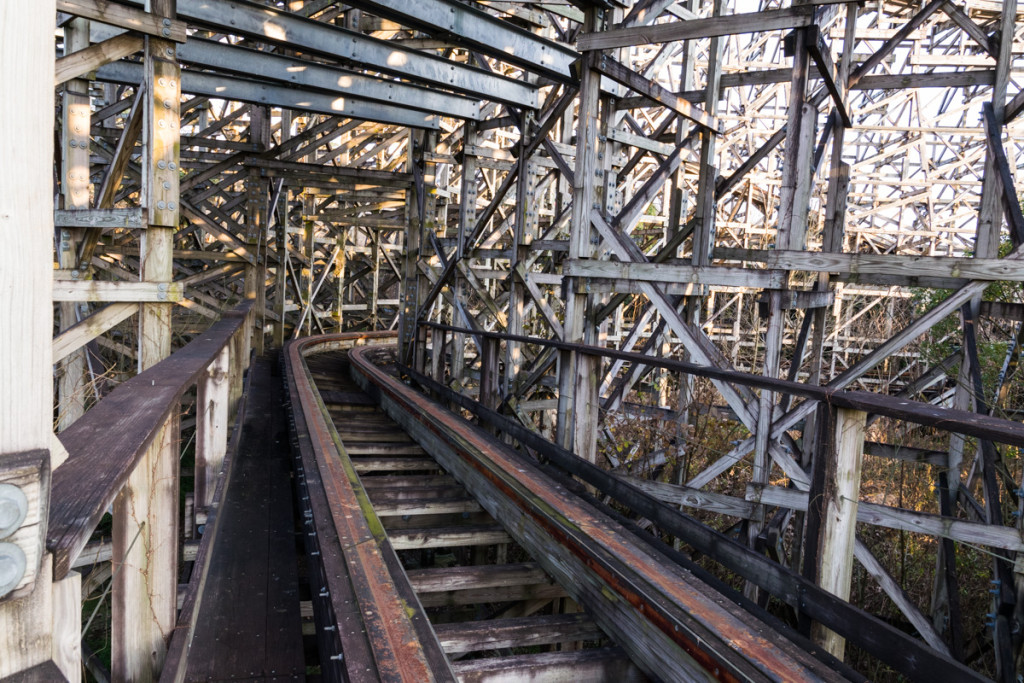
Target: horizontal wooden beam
x: 123, y: 16
x: 468, y: 26
x: 974, y: 533
x: 750, y: 22
x: 242, y: 90
x: 107, y: 219
x: 883, y: 264
x: 307, y: 74
x: 672, y: 273
x: 104, y: 290
x: 293, y: 32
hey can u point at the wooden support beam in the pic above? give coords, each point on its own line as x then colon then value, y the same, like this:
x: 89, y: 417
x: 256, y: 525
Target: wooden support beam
x: 26, y: 323
x: 627, y: 274
x: 622, y: 74
x: 475, y: 29
x: 963, y: 531
x: 107, y: 290
x: 839, y: 515
x: 80, y: 63
x: 990, y: 269
x: 91, y: 327
x: 101, y: 219
x: 123, y: 16
x: 769, y: 20
x: 76, y: 111
x: 146, y: 515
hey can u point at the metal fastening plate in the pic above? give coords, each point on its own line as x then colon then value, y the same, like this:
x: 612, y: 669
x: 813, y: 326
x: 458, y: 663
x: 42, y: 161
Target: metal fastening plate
x: 13, y: 509
x: 12, y: 567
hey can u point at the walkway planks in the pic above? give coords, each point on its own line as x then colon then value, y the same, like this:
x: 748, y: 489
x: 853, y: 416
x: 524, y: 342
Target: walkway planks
x: 249, y: 628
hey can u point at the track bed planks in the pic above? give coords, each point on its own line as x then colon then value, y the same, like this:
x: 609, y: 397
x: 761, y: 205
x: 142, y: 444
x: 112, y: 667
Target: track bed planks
x: 480, y: 608
x: 502, y: 574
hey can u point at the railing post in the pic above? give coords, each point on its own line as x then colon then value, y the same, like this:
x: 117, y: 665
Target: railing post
x: 213, y: 395
x: 419, y: 362
x: 489, y: 374
x: 439, y: 339
x: 145, y: 560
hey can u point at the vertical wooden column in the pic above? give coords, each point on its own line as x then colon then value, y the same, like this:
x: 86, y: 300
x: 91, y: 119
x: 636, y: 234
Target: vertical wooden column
x: 281, y: 237
x: 411, y: 294
x: 523, y: 218
x: 578, y: 378
x: 790, y: 234
x: 145, y: 552
x: 40, y: 621
x: 309, y: 244
x: 467, y: 219
x: 75, y: 194
x: 256, y: 226
x: 839, y: 515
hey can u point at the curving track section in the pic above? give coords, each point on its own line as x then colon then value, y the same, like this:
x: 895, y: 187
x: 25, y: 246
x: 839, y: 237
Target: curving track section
x: 444, y: 554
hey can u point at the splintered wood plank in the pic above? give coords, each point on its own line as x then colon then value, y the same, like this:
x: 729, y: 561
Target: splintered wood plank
x: 451, y: 537
x: 383, y: 449
x: 604, y: 664
x: 373, y: 436
x: 394, y: 464
x: 406, y: 481
x: 494, y: 634
x: 483, y: 584
x: 249, y: 625
x: 424, y: 506
x: 415, y: 494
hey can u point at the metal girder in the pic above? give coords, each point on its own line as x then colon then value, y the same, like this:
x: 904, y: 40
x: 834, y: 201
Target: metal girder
x: 293, y: 32
x: 229, y: 88
x: 265, y: 65
x: 463, y: 25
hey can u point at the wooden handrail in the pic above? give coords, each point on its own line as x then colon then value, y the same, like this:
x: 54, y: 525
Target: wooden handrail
x: 105, y: 445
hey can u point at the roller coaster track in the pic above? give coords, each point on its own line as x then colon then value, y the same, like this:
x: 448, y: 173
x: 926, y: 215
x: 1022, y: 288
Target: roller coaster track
x: 444, y: 553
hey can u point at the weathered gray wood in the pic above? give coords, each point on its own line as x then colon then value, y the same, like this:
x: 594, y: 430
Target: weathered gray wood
x: 91, y: 327
x: 688, y: 496
x: 552, y: 667
x: 495, y: 634
x: 80, y: 63
x: 130, y: 18
x: 108, y: 219
x: 769, y: 20
x: 885, y: 264
x: 964, y: 531
x: 839, y: 516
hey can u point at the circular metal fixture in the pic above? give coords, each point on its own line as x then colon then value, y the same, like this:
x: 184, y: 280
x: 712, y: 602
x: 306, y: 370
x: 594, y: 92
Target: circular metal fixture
x: 12, y: 567
x: 13, y: 509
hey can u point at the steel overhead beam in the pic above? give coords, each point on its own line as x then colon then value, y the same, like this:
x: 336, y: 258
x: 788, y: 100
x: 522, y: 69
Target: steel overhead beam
x: 293, y: 32
x: 473, y: 28
x: 230, y: 88
x: 265, y: 65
